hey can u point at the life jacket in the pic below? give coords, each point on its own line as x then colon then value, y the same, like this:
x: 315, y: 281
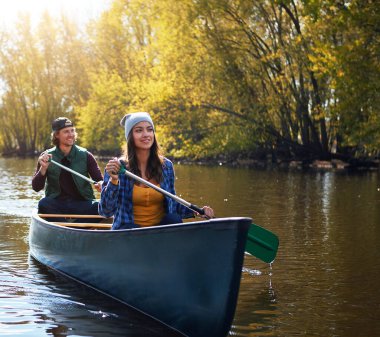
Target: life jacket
x: 78, y: 162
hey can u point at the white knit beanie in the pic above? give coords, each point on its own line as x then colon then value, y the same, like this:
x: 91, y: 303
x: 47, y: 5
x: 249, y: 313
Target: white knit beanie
x: 130, y: 120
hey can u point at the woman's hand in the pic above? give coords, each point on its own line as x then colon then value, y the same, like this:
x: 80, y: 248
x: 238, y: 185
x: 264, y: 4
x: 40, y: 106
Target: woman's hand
x: 209, y: 212
x: 112, y: 168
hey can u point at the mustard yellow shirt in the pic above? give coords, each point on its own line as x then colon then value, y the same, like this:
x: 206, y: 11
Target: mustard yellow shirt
x: 148, y: 206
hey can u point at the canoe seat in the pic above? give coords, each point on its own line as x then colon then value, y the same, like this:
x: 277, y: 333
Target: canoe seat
x: 84, y: 225
x: 72, y: 216
x: 105, y: 223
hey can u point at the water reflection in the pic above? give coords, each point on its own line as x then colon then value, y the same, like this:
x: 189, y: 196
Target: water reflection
x: 324, y: 281
x: 17, y: 196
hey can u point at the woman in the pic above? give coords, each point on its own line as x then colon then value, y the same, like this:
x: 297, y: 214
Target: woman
x: 133, y: 204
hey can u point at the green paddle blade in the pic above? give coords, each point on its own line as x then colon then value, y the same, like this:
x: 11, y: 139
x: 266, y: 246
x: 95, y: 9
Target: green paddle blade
x: 262, y: 243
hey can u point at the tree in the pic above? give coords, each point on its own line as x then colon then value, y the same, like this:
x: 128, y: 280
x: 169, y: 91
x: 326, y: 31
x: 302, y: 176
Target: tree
x: 43, y: 74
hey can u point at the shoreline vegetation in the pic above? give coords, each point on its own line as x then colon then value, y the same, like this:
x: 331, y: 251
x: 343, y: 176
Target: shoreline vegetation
x: 254, y: 161
x: 353, y: 165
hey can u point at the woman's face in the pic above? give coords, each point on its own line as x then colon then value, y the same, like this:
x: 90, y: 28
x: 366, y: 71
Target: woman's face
x: 143, y: 135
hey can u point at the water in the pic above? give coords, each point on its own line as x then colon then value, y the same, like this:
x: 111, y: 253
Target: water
x: 324, y: 281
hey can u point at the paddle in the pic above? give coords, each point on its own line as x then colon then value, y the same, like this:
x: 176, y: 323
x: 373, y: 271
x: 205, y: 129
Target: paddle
x: 261, y: 243
x: 193, y: 207
x: 72, y: 171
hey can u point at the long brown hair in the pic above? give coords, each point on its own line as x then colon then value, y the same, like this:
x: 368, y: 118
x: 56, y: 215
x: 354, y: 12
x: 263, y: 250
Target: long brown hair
x: 155, y: 160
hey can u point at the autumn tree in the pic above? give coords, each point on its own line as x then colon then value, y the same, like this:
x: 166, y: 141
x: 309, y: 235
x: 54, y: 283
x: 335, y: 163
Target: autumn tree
x: 43, y: 73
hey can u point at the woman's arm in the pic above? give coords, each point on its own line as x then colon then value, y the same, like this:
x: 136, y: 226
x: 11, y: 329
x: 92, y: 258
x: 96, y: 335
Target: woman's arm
x: 108, y: 197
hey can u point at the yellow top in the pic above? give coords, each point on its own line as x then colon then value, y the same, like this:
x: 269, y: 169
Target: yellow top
x: 148, y: 206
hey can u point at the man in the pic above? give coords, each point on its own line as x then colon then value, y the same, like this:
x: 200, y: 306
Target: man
x: 66, y: 193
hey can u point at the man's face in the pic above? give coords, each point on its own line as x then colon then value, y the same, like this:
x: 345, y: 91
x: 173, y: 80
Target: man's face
x: 66, y: 136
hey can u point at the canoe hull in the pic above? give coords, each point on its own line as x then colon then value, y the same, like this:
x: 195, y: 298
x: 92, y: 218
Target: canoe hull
x: 186, y: 276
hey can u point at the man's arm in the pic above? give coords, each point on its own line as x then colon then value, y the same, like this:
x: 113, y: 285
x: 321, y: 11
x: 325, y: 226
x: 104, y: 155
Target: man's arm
x: 93, y: 168
x: 39, y: 178
x: 94, y: 171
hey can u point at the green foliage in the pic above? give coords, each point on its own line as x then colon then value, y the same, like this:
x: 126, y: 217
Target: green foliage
x: 42, y: 75
x: 218, y: 76
x: 358, y: 85
x: 99, y: 118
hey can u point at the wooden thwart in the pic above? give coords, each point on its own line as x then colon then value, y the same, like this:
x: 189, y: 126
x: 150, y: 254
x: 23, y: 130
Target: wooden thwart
x: 84, y: 225
x: 92, y: 225
x: 72, y: 216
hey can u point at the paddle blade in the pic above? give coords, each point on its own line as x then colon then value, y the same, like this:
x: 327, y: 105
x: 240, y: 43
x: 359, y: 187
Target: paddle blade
x: 262, y: 243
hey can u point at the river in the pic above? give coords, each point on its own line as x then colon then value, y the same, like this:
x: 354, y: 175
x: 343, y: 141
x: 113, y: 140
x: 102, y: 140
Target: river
x: 324, y: 281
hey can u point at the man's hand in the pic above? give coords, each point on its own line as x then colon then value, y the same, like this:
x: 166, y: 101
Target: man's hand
x: 98, y: 186
x: 43, y: 160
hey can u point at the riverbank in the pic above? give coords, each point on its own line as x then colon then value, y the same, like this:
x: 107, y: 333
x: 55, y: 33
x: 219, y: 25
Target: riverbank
x: 266, y: 161
x: 269, y: 162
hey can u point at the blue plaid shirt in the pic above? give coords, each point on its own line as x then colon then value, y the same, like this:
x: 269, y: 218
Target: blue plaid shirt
x: 116, y: 200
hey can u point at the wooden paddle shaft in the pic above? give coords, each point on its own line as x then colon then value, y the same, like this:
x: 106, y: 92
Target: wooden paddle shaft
x: 170, y: 195
x: 73, y: 172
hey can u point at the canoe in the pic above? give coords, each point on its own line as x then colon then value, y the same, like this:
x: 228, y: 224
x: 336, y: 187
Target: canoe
x: 186, y: 276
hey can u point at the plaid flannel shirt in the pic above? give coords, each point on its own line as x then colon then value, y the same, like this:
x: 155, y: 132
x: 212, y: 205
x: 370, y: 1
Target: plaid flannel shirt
x: 116, y: 200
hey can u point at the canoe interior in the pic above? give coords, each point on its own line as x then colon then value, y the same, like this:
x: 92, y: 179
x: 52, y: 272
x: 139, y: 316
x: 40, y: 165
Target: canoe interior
x: 185, y: 275
x: 78, y: 220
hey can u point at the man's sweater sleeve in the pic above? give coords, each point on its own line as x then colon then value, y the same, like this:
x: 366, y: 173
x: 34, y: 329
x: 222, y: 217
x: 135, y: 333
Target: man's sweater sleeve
x: 93, y: 168
x: 38, y: 180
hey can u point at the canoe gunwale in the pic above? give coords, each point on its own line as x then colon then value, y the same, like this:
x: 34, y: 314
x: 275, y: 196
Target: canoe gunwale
x: 152, y: 229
